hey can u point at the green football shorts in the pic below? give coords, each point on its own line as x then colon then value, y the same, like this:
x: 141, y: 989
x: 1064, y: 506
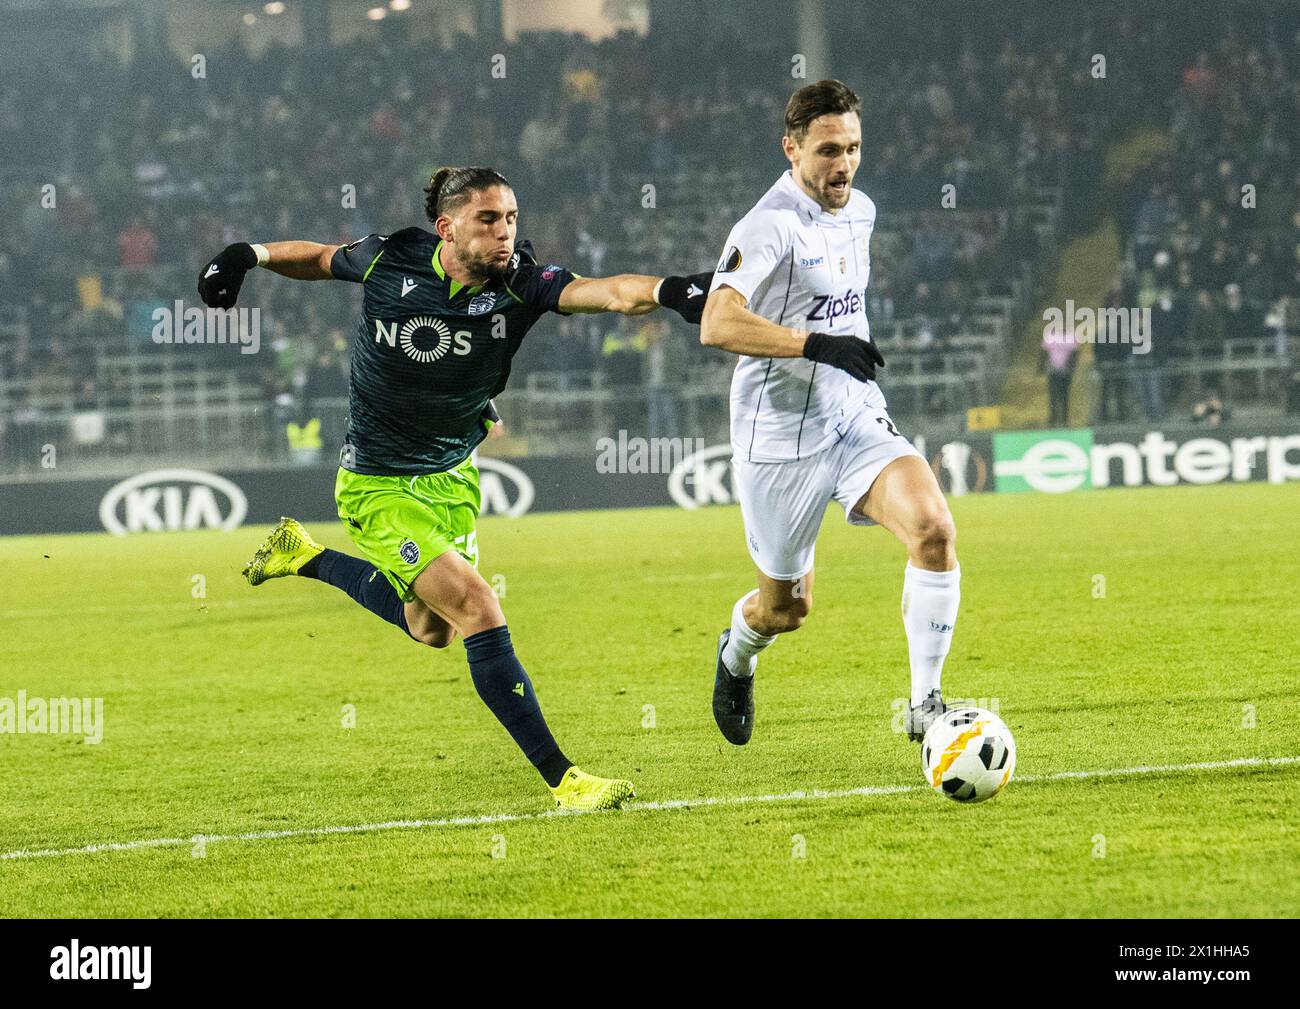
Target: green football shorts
x: 402, y: 523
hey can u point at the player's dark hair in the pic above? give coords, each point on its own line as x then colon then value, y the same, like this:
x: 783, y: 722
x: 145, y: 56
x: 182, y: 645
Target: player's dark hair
x: 448, y: 188
x: 825, y: 98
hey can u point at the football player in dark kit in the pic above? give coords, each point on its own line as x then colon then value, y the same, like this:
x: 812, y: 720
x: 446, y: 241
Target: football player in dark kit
x: 443, y: 314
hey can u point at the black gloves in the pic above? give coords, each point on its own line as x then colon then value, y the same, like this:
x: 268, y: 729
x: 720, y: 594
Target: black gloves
x: 686, y: 295
x: 858, y: 357
x: 221, y: 278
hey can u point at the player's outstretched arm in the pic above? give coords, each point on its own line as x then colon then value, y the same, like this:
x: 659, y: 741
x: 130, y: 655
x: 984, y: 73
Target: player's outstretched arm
x: 300, y: 260
x: 636, y: 294
x: 625, y: 293
x: 727, y: 323
x: 223, y: 275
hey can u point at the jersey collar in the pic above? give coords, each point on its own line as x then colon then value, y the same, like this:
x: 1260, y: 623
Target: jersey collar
x: 454, y: 286
x: 808, y: 207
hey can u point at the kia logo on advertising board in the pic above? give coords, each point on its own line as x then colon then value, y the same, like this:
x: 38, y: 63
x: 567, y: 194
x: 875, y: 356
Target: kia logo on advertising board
x: 703, y: 478
x: 505, y: 489
x: 166, y: 500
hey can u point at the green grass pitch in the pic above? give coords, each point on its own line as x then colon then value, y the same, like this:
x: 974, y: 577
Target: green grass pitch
x: 224, y: 715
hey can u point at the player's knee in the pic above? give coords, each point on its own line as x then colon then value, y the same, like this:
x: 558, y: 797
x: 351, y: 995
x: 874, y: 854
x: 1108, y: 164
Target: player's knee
x: 934, y: 534
x: 479, y: 606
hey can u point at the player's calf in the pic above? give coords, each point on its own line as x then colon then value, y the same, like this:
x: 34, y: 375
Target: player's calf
x: 780, y: 618
x: 775, y: 607
x: 427, y: 627
x: 450, y: 586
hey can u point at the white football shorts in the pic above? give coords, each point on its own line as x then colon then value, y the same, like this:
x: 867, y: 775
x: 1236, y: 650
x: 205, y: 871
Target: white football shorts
x: 783, y: 502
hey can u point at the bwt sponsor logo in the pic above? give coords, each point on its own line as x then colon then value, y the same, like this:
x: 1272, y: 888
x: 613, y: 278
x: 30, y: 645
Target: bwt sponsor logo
x: 505, y: 489
x: 703, y: 479
x: 1055, y: 462
x: 178, y: 324
x: 1098, y: 325
x: 75, y: 962
x: 827, y: 308
x: 168, y: 500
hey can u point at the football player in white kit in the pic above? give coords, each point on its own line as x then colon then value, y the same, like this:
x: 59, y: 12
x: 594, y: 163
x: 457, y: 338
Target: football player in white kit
x: 808, y: 422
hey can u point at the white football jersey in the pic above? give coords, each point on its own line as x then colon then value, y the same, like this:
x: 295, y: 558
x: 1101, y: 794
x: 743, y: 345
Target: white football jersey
x: 800, y: 266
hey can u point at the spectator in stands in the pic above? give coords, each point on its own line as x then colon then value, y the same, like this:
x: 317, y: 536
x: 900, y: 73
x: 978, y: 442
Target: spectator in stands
x: 1058, y: 357
x: 1009, y: 124
x: 1201, y: 78
x: 1147, y: 370
x: 541, y: 142
x: 1205, y: 327
x: 1111, y: 359
x: 622, y: 363
x: 1241, y: 320
x: 1210, y: 411
x: 665, y: 373
x: 327, y: 376
x: 137, y: 245
x: 1169, y: 316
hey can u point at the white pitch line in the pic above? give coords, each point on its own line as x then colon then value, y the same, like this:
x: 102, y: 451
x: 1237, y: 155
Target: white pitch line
x: 178, y: 607
x: 724, y: 800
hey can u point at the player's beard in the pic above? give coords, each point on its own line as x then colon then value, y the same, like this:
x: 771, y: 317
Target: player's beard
x: 827, y: 197
x: 485, y: 269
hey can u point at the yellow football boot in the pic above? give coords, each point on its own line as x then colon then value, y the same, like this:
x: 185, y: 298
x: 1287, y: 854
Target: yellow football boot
x: 282, y: 553
x: 580, y: 790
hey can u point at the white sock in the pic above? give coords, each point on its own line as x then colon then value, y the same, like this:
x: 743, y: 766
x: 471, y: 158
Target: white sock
x: 740, y: 655
x: 930, y: 601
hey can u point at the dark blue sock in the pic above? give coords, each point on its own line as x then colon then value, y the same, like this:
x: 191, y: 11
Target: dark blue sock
x: 361, y: 580
x: 506, y: 689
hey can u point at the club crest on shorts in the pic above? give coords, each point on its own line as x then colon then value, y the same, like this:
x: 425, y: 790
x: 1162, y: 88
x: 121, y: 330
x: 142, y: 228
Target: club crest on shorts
x: 410, y: 551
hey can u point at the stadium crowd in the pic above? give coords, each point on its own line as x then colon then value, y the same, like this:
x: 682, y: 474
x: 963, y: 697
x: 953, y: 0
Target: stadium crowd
x: 1213, y: 243
x: 620, y: 165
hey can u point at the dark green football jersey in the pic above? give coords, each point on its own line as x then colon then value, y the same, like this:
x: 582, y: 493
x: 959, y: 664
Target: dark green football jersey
x: 428, y: 354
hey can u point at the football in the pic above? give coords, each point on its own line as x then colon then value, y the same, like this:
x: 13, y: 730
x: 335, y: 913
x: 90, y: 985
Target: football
x: 968, y: 754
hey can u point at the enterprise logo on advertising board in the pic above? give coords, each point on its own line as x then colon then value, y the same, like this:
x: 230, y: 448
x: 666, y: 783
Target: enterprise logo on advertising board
x: 1055, y: 462
x: 1049, y: 461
